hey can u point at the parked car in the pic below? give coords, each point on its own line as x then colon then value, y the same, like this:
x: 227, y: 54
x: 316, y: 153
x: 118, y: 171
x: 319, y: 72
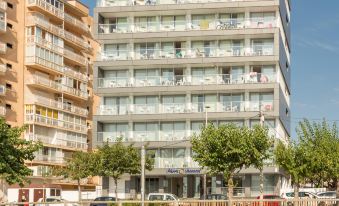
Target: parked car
x: 302, y: 195
x: 214, y: 197
x: 53, y: 201
x: 101, y: 201
x: 270, y: 201
x: 327, y: 195
x: 162, y: 197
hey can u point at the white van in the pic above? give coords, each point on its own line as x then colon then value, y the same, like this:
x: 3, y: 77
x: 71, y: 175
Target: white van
x: 162, y: 197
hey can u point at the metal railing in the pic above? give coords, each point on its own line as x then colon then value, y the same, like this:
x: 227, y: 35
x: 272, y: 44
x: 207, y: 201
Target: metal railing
x: 75, y: 57
x: 47, y: 7
x: 110, y: 3
x: 185, y: 80
x: 76, y: 22
x: 49, y: 159
x: 59, y: 105
x: 57, y: 86
x: 59, y: 141
x: 183, y: 25
x: 43, y: 62
x: 56, y: 123
x: 188, y: 107
x: 182, y: 53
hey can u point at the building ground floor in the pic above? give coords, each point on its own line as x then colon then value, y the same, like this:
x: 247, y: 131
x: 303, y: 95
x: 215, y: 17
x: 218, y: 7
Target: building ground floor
x: 189, y: 183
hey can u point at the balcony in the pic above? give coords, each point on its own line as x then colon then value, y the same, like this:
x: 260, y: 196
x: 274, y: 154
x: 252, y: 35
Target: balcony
x: 44, y: 43
x: 59, y: 105
x: 2, y: 90
x: 51, y: 122
x: 46, y: 6
x: 186, y: 108
x: 3, y: 69
x: 186, y: 53
x: 77, y: 75
x: 76, y: 22
x: 71, y: 38
x: 187, y: 80
x: 49, y: 160
x: 55, y: 86
x: 201, y: 25
x: 3, y: 48
x: 58, y: 141
x: 111, y: 3
x: 2, y: 111
x: 72, y: 56
x: 3, y: 5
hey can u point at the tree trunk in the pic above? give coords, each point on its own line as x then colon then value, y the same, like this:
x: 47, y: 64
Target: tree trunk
x: 79, y: 191
x: 296, y: 194
x: 261, y: 186
x: 230, y: 187
x: 337, y: 191
x: 116, y: 189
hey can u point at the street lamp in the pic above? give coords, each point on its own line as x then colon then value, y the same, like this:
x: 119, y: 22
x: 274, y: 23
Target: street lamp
x: 205, y: 176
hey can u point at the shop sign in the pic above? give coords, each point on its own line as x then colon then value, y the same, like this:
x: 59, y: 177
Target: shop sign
x: 183, y: 171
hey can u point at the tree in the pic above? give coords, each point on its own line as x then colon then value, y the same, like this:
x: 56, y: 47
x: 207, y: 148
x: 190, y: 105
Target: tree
x: 321, y: 143
x: 14, y: 151
x: 228, y: 148
x: 80, y: 166
x: 118, y: 159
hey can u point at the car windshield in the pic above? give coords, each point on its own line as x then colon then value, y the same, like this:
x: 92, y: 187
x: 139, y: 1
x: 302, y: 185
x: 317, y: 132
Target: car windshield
x: 104, y: 199
x: 272, y: 197
x: 156, y: 197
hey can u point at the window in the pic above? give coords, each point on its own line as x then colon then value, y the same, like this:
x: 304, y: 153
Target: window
x: 8, y: 106
x: 9, y: 5
x: 9, y: 66
x: 9, y: 25
x: 8, y: 86
x: 9, y: 45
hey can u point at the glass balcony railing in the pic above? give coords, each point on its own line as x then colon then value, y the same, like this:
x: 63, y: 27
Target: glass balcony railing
x: 2, y: 111
x: 219, y: 24
x: 48, y: 121
x: 39, y: 80
x: 3, y: 48
x: 175, y: 163
x: 47, y: 6
x: 233, y: 106
x: 59, y: 105
x: 59, y: 141
x: 112, y: 3
x: 184, y: 80
x: 44, y: 43
x: 2, y: 90
x: 181, y: 53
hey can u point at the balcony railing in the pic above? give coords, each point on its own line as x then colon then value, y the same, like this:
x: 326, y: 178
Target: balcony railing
x: 44, y: 43
x: 3, y: 48
x: 49, y: 159
x: 222, y: 24
x: 2, y: 90
x: 61, y: 106
x: 3, y: 5
x: 233, y: 106
x: 43, y: 62
x: 180, y: 53
x: 109, y: 3
x: 47, y: 7
x: 59, y: 141
x: 75, y: 57
x: 76, y: 22
x: 57, y: 86
x: 78, y: 75
x: 2, y: 111
x: 3, y: 68
x: 3, y: 26
x: 185, y: 80
x: 57, y: 30
x: 35, y: 118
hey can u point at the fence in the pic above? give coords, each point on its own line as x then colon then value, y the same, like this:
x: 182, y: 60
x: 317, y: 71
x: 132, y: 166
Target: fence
x: 233, y: 202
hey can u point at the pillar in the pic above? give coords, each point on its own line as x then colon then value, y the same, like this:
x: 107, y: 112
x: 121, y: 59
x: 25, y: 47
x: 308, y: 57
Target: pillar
x: 197, y: 187
x: 213, y: 185
x: 184, y: 187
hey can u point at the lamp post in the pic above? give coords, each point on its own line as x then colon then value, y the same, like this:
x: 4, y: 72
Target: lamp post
x: 205, y: 176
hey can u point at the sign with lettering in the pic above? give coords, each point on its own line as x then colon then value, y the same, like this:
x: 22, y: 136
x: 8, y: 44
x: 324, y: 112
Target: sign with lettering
x: 186, y: 171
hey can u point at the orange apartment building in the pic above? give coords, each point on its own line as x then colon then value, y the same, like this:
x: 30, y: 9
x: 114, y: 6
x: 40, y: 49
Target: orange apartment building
x: 46, y: 55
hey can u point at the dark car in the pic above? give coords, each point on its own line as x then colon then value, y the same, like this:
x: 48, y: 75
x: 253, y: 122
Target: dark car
x: 214, y: 197
x: 101, y: 201
x: 270, y: 201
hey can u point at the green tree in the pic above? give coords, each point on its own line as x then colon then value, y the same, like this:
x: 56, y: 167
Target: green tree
x: 321, y: 145
x: 14, y: 151
x: 227, y: 149
x: 118, y: 159
x: 292, y: 158
x: 78, y: 167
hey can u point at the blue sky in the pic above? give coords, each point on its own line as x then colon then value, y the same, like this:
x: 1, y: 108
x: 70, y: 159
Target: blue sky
x: 315, y: 59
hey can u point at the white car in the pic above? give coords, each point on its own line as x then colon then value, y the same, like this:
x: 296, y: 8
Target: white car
x: 162, y: 197
x: 53, y: 201
x: 327, y: 195
x: 302, y: 195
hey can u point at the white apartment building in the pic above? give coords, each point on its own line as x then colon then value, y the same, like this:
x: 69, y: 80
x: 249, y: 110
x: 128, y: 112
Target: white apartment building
x: 166, y: 64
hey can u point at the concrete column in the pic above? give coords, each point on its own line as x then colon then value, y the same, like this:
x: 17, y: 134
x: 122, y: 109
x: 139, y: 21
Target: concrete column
x: 188, y: 21
x: 247, y: 185
x: 130, y: 129
x: 218, y: 189
x: 197, y: 187
x: 184, y: 191
x: 213, y: 185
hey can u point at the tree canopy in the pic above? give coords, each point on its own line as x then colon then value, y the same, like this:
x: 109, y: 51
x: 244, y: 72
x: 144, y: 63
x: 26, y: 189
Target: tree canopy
x: 14, y: 151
